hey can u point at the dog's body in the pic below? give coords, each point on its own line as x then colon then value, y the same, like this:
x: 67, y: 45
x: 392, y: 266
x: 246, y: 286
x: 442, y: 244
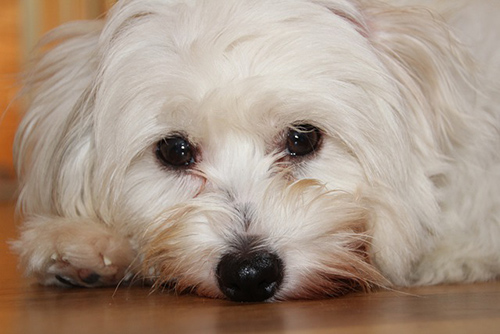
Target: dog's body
x: 266, y: 149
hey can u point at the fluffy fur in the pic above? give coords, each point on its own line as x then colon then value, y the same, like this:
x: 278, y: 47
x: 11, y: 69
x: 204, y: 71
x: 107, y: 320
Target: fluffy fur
x: 403, y: 190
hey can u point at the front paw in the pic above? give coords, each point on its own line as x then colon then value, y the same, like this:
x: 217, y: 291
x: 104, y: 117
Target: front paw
x: 76, y: 254
x: 88, y: 267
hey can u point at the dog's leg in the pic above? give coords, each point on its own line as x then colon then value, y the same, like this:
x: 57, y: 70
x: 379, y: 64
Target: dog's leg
x: 74, y: 253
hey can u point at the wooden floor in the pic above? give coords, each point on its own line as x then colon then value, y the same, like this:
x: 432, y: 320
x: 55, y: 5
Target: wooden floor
x: 28, y: 308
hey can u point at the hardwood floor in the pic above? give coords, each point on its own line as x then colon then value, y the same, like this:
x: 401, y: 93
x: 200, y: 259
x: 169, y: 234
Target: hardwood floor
x: 26, y: 307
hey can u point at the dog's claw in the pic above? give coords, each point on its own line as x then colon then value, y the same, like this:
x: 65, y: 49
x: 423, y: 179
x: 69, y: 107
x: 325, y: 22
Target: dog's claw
x: 66, y: 281
x: 107, y: 261
x: 91, y: 279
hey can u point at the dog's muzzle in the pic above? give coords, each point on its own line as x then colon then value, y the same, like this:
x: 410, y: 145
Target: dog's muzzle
x: 250, y: 277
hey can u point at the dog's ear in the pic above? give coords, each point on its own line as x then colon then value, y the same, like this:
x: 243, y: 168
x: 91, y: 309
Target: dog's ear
x: 52, y: 145
x: 418, y: 48
x: 431, y: 77
x: 435, y: 77
x: 434, y: 71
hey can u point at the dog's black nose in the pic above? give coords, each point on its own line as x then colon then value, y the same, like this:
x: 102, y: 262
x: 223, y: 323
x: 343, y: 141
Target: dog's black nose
x: 252, y: 277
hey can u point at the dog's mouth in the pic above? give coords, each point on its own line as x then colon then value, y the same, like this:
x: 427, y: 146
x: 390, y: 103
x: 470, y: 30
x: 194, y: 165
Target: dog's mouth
x: 250, y: 270
x: 327, y: 260
x: 260, y: 276
x: 260, y: 279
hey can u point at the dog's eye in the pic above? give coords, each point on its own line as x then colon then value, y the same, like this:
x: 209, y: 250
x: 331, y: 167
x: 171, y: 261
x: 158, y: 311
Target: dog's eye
x: 303, y: 140
x: 175, y: 151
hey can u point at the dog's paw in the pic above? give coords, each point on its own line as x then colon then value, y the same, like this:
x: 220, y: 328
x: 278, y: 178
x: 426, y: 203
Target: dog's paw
x: 91, y: 260
x: 77, y: 254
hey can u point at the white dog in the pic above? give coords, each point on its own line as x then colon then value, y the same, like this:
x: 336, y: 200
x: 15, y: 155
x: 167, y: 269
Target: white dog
x: 265, y: 149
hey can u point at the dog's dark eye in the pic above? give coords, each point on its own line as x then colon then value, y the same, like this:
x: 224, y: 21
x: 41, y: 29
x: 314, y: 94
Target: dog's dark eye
x: 175, y: 151
x: 303, y: 140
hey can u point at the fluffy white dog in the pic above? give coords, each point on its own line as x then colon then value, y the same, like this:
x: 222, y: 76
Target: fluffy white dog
x: 265, y: 149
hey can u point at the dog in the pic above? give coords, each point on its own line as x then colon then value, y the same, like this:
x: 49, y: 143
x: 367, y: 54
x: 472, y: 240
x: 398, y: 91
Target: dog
x: 264, y: 150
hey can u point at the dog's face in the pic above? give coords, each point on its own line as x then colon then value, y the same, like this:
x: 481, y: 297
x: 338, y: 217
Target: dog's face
x: 238, y: 142
x: 251, y: 149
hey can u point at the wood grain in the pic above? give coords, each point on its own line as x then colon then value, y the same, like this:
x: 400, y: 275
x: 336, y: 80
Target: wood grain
x: 26, y: 307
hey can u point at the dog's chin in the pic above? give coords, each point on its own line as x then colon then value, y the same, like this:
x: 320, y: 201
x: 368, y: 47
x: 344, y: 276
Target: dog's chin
x: 322, y: 283
x: 334, y: 278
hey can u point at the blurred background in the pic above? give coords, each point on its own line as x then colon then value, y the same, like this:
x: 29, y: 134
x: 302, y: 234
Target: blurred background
x: 22, y: 23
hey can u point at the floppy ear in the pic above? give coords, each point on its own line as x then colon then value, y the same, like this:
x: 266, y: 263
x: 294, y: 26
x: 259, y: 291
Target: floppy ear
x: 435, y: 77
x: 431, y: 77
x: 57, y: 90
x: 434, y: 71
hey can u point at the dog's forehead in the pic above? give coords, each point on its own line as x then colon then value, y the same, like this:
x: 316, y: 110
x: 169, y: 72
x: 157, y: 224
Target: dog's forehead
x: 248, y: 110
x: 250, y: 82
x: 230, y: 66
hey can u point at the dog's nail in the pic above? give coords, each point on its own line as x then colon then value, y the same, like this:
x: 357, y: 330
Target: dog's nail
x: 107, y: 261
x: 88, y: 276
x: 66, y: 281
x: 54, y: 257
x: 91, y: 279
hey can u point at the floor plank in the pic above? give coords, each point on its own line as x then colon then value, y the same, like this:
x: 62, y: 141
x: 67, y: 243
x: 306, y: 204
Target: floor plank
x: 26, y: 307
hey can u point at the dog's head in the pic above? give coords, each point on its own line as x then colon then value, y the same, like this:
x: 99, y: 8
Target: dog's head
x: 252, y: 149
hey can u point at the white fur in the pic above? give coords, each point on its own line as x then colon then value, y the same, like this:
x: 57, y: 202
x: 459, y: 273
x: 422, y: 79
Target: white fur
x: 405, y: 92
